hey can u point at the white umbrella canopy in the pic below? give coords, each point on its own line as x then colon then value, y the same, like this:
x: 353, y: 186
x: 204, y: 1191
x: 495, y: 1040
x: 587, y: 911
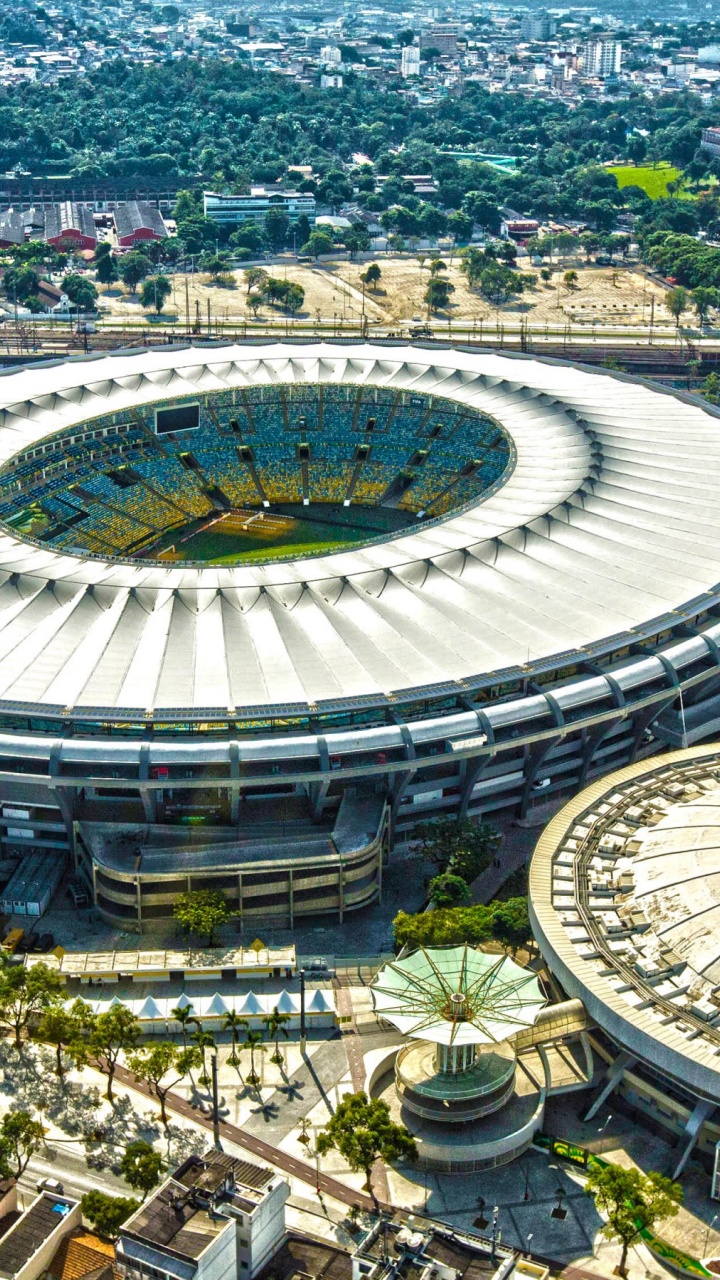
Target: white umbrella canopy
x: 457, y: 996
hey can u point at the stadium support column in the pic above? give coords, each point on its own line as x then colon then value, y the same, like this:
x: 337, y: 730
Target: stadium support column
x: 476, y: 766
x: 234, y: 754
x: 147, y: 795
x: 319, y: 790
x: 402, y: 779
x: 538, y: 756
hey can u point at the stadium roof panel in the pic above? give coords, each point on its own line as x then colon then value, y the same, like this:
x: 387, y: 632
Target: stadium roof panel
x: 606, y: 523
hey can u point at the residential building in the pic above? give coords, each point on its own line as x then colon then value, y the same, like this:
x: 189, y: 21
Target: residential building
x: 410, y: 61
x: 331, y: 82
x: 442, y: 36
x: 537, y: 26
x: 138, y: 221
x: 711, y: 141
x: 27, y: 1248
x: 235, y: 210
x: 602, y: 57
x: 70, y: 225
x: 216, y: 1218
x: 331, y: 55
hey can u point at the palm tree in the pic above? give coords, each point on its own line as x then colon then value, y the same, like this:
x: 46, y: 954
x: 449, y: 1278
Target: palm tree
x: 253, y: 1042
x: 204, y: 1040
x: 232, y: 1022
x: 183, y: 1015
x: 275, y: 1023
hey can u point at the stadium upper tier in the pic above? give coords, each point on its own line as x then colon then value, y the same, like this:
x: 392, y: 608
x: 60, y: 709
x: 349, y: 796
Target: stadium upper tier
x: 594, y: 525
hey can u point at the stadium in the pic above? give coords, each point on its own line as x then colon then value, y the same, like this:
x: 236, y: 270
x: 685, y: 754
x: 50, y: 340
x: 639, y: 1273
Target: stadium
x: 624, y: 902
x: 263, y: 607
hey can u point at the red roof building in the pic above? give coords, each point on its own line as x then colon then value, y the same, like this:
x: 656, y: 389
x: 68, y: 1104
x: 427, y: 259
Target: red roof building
x: 137, y: 221
x: 70, y: 226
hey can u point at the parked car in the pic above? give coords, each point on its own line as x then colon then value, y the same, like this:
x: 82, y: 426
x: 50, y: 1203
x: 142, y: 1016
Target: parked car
x: 49, y: 1184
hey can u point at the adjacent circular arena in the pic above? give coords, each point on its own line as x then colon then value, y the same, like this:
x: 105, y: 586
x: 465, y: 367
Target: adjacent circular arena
x: 264, y: 606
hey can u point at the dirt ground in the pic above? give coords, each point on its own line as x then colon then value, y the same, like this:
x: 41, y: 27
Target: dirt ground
x: 334, y: 291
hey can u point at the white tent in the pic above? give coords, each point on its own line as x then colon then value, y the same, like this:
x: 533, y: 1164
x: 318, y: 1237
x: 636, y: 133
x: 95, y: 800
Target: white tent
x: 217, y: 1007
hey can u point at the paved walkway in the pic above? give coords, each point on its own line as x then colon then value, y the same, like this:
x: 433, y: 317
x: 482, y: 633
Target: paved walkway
x: 258, y: 1147
x: 354, y: 1049
x: 312, y: 1083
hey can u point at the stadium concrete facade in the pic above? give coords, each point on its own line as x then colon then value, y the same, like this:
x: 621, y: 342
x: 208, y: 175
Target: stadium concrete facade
x: 508, y: 643
x: 624, y: 904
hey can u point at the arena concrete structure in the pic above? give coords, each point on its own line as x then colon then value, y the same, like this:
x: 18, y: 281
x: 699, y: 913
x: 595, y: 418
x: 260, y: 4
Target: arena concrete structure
x: 273, y: 727
x: 625, y: 907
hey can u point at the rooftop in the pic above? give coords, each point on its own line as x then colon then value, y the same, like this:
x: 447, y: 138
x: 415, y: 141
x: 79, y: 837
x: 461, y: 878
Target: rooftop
x: 31, y: 1231
x: 181, y: 1218
x: 625, y: 903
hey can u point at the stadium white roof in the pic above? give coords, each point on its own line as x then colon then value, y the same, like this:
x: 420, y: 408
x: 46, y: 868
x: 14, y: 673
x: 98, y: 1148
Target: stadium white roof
x: 608, y: 519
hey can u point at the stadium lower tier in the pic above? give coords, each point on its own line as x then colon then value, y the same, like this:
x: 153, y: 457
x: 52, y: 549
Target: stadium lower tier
x: 211, y: 803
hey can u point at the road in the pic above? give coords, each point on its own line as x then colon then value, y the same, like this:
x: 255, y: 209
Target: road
x: 72, y: 1171
x: 257, y: 1146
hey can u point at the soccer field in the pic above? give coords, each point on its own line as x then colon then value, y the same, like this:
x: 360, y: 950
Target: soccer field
x: 653, y: 181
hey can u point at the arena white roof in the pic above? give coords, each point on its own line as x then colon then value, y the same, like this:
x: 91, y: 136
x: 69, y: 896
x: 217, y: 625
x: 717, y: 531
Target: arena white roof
x: 625, y: 906
x: 609, y: 519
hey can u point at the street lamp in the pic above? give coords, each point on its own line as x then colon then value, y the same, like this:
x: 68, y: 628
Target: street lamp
x: 707, y: 1234
x: 303, y: 1029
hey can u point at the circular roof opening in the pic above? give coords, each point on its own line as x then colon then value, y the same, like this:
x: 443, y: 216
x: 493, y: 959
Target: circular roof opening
x: 252, y: 475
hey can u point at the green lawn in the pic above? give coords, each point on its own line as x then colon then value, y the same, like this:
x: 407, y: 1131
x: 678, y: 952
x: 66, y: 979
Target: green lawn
x: 298, y: 551
x: 653, y: 181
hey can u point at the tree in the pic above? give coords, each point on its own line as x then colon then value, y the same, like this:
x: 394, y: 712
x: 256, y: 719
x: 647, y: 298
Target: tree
x: 20, y: 1137
x: 114, y: 1032
x: 155, y: 292
x: 64, y: 1028
x: 277, y: 229
x: 437, y: 294
x: 511, y: 923
x: 217, y: 265
x: 141, y: 1166
x: 570, y: 279
x: 356, y: 239
x: 107, y: 1213
x: 253, y: 1042
x: 294, y: 297
x: 711, y: 388
x: 184, y: 1014
x: 448, y: 890
x: 20, y: 283
x: 255, y: 278
x: 362, y: 1131
x: 703, y: 300
x: 546, y: 274
x: 276, y: 1026
x: 81, y: 292
x: 155, y: 1062
x: 632, y: 1202
x: 233, y: 1023
x: 460, y: 225
x: 372, y: 275
x: 318, y: 242
x: 106, y: 271
x: 463, y: 847
x: 676, y: 302
x: 25, y: 994
x: 446, y: 926
x: 202, y: 911
x: 203, y: 1040
x: 132, y: 268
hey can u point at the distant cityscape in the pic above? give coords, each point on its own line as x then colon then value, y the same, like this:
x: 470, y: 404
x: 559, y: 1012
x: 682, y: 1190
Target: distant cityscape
x: 435, y: 51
